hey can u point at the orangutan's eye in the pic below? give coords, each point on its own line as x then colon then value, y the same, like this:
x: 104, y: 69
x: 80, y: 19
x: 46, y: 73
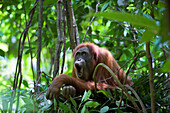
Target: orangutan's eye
x: 84, y: 53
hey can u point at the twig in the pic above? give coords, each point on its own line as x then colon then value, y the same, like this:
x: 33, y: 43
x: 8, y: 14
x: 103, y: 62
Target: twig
x: 137, y: 96
x: 38, y: 81
x: 98, y: 3
x: 135, y: 59
x: 52, y: 60
x: 117, y: 71
x: 158, y: 106
x: 144, y: 81
x: 166, y: 53
x: 118, y: 82
x: 20, y: 73
x: 116, y: 38
x: 20, y: 52
x: 47, y: 78
x: 32, y: 68
x: 64, y: 48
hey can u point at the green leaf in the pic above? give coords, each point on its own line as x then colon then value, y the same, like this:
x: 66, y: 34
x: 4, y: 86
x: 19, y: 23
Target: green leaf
x: 45, y: 107
x: 5, y: 102
x: 25, y: 83
x: 104, y: 109
x: 26, y: 99
x: 28, y: 105
x: 85, y: 92
x: 49, y: 2
x: 104, y: 6
x: 147, y: 35
x: 119, y: 111
x: 55, y: 104
x: 104, y: 92
x: 127, y: 52
x: 165, y: 67
x: 127, y: 17
x: 65, y: 107
x: 73, y: 102
x: 92, y: 104
x: 3, y: 47
x: 86, y: 95
x: 2, y: 53
x: 122, y: 103
x: 83, y: 109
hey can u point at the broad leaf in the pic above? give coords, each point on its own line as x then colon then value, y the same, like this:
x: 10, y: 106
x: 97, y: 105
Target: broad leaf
x: 131, y: 18
x: 91, y: 104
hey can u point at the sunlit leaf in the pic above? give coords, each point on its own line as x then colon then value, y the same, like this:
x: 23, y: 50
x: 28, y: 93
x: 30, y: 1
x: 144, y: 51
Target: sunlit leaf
x: 118, y: 102
x: 105, y: 6
x: 104, y: 109
x: 4, y: 47
x: 166, y: 66
x: 106, y: 93
x: 86, y: 95
x: 127, y: 17
x: 92, y: 104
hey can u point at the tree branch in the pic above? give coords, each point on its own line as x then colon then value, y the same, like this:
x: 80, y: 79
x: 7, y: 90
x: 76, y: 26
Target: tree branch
x: 72, y: 26
x: 98, y: 3
x: 39, y: 41
x: 137, y: 96
x: 60, y: 38
x: 64, y: 48
x: 151, y: 83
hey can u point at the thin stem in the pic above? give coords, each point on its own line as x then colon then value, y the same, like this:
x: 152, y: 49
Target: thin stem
x: 117, y: 81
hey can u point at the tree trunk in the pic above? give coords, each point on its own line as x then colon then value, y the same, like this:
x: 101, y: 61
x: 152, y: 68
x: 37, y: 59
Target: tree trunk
x: 60, y: 38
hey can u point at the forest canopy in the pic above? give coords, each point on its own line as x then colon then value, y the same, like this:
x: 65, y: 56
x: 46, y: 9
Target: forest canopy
x: 37, y: 38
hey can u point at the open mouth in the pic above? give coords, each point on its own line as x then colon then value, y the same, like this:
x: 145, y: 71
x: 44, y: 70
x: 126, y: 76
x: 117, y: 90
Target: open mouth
x: 79, y: 70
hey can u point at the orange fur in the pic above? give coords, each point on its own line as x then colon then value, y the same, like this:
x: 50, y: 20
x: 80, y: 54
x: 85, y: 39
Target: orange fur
x: 103, y: 77
x: 104, y: 56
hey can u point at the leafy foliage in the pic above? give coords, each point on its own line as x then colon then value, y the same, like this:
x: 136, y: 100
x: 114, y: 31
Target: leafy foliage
x: 121, y: 26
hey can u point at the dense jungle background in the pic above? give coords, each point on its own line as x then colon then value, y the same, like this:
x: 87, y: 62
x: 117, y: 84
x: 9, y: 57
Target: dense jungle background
x: 37, y: 38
